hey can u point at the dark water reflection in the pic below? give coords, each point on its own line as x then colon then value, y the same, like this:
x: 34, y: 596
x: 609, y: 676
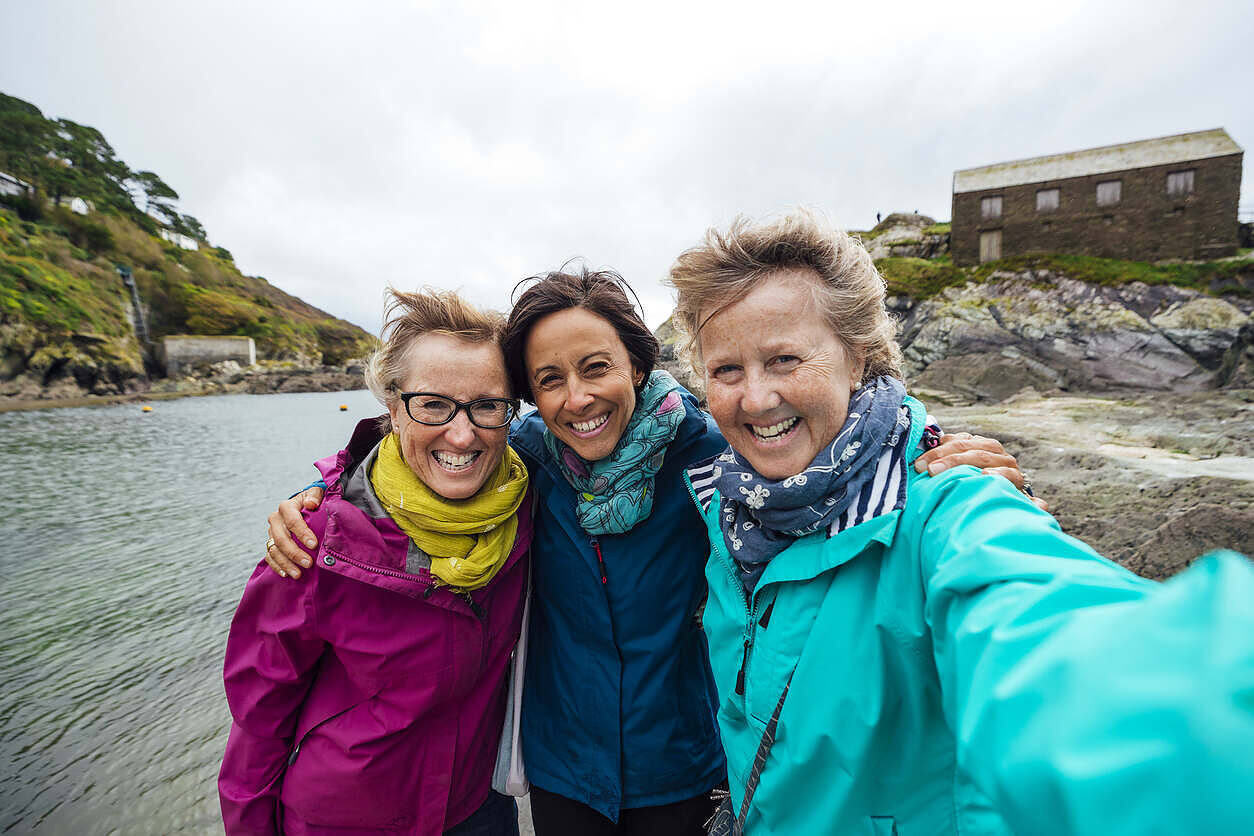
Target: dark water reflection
x: 126, y: 541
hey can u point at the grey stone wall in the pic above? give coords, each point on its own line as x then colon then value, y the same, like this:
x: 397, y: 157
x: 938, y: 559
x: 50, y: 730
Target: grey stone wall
x: 180, y: 352
x: 1146, y: 225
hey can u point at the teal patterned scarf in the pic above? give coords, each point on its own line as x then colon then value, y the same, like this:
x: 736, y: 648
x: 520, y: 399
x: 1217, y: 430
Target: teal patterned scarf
x: 616, y: 492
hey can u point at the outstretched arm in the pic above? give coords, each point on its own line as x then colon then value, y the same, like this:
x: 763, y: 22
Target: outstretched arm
x: 1086, y: 700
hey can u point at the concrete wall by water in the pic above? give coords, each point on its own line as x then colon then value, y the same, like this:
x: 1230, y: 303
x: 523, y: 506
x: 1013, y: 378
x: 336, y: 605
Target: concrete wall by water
x: 179, y: 352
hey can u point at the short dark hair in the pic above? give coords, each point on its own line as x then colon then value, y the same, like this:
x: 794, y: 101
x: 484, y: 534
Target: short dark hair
x: 602, y: 292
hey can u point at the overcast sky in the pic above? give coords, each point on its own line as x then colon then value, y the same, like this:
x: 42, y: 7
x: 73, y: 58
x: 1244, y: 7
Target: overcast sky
x: 335, y: 148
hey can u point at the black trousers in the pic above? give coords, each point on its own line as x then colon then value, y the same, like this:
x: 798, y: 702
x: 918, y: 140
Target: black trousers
x: 556, y: 815
x: 498, y: 816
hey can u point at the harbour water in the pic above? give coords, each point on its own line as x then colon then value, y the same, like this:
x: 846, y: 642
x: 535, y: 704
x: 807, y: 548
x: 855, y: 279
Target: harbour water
x: 127, y: 538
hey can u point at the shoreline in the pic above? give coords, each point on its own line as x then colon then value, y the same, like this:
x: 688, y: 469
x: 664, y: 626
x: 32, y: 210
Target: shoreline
x: 8, y: 404
x: 11, y: 404
x: 255, y: 381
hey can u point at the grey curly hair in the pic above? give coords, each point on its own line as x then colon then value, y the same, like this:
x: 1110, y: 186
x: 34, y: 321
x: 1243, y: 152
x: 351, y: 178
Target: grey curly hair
x: 850, y: 292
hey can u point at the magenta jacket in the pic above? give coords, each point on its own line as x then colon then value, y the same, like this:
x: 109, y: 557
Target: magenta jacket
x: 364, y: 699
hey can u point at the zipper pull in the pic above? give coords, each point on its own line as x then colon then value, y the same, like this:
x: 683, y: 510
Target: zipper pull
x: 596, y: 544
x: 471, y: 602
x: 740, y: 677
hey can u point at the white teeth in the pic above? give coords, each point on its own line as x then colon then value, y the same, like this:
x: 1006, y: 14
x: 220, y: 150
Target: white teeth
x: 774, y: 430
x: 589, y: 426
x: 451, y: 460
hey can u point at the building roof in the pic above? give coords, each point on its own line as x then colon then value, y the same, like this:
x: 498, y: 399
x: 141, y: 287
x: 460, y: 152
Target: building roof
x: 1166, y: 150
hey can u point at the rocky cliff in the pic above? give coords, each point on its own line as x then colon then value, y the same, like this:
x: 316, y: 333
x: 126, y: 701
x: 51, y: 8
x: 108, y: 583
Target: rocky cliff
x: 85, y: 292
x: 1042, y: 329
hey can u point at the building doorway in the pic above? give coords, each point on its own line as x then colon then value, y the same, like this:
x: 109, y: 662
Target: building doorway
x: 990, y: 245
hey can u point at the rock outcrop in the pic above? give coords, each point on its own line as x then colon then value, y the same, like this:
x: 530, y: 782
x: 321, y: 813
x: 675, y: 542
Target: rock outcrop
x: 35, y: 364
x: 1043, y: 330
x: 910, y: 235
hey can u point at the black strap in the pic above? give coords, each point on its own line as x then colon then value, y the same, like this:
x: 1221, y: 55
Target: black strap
x: 759, y: 760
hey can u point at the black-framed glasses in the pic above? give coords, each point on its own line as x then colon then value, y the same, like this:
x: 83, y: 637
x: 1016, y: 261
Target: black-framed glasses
x: 434, y: 409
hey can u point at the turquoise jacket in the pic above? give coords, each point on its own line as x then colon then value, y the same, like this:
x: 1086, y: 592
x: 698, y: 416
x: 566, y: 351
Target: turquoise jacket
x: 962, y: 666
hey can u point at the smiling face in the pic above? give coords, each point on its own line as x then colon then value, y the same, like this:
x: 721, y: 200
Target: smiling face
x: 582, y: 379
x: 456, y: 458
x: 777, y: 378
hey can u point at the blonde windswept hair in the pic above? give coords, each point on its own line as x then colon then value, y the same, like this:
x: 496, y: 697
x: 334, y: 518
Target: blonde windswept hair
x: 850, y: 293
x: 406, y: 317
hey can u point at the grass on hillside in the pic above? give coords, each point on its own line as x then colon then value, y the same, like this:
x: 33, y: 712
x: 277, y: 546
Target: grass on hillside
x: 61, y: 278
x: 920, y: 278
x: 1197, y: 275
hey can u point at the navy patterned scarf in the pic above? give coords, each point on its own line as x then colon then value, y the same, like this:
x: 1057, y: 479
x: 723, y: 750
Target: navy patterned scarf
x: 859, y: 475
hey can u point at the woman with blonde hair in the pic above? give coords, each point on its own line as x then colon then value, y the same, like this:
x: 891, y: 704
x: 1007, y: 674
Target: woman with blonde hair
x: 898, y: 654
x: 371, y: 698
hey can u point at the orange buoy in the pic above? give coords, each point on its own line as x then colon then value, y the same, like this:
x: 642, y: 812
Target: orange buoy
x: 147, y: 409
x: 343, y: 407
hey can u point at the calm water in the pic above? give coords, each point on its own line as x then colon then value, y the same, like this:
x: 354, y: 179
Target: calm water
x: 127, y: 539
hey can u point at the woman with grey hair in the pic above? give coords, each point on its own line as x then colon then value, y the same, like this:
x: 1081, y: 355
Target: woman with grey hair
x: 896, y: 654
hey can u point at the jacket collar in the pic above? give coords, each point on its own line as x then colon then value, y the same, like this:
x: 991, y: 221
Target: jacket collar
x: 810, y: 556
x: 360, y: 493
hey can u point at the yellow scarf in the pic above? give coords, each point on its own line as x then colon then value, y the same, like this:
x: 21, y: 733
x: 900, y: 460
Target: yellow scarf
x: 471, y: 536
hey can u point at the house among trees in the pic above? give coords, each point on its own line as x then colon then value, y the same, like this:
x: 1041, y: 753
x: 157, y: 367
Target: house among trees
x: 75, y: 204
x: 1174, y: 197
x: 10, y: 185
x: 178, y: 239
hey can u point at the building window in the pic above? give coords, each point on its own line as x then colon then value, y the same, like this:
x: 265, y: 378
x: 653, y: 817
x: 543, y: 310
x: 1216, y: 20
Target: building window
x: 1109, y: 193
x: 1180, y: 183
x: 1047, y: 200
x: 990, y: 245
x: 990, y: 207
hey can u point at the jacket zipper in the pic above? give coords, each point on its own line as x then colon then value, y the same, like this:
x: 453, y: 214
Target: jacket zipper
x: 291, y: 759
x: 596, y: 545
x: 391, y: 573
x: 475, y: 607
x: 739, y: 587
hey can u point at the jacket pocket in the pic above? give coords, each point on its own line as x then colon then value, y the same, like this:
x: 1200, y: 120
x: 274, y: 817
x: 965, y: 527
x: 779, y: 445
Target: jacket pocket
x: 333, y: 776
x: 884, y: 826
x: 291, y: 759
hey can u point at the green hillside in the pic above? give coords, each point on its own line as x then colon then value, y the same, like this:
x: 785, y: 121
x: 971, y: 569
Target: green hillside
x: 64, y: 310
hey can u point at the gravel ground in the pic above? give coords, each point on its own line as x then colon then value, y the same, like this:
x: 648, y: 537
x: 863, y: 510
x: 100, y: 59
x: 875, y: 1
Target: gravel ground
x: 1151, y: 480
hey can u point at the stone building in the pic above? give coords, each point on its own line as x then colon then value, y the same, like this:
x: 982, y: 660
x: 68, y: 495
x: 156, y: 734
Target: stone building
x: 181, y: 352
x: 1173, y: 197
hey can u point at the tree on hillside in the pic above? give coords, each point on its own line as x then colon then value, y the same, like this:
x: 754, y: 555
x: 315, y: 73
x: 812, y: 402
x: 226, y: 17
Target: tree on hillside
x: 101, y: 175
x: 158, y: 196
x: 24, y: 138
x: 192, y: 227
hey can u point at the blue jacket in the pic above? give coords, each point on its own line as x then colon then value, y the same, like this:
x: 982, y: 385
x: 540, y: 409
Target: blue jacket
x: 962, y: 666
x: 618, y: 708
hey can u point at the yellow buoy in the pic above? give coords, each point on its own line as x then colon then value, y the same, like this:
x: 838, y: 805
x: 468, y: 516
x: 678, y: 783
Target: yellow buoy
x: 147, y: 409
x: 343, y: 407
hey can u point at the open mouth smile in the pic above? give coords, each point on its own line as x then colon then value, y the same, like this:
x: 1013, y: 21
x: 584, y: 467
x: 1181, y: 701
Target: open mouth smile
x: 455, y: 462
x: 774, y: 432
x: 589, y: 428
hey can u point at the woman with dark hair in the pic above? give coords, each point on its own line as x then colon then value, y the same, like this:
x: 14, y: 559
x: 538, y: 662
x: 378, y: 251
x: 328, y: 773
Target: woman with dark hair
x: 618, y: 720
